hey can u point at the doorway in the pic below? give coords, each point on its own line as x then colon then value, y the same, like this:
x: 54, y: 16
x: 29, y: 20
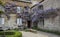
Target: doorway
x: 29, y: 24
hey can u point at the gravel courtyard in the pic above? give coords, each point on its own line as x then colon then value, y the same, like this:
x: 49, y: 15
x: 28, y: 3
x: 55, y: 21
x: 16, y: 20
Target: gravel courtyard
x: 38, y: 34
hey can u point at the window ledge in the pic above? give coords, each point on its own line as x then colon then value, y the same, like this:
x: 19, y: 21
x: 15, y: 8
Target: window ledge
x: 23, y: 1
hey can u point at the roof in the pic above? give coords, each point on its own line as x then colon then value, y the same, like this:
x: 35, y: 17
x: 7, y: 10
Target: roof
x: 37, y: 4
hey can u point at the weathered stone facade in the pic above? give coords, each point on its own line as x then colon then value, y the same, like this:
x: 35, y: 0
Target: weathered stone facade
x: 51, y: 23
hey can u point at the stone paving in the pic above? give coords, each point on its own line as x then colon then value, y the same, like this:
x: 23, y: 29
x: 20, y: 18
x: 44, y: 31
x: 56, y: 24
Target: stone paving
x: 38, y: 34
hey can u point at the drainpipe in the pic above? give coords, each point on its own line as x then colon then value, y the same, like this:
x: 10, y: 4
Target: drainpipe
x: 43, y: 21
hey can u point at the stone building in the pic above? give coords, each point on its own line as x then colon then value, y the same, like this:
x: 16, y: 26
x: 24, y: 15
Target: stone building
x: 48, y: 14
x: 16, y: 13
x: 31, y: 13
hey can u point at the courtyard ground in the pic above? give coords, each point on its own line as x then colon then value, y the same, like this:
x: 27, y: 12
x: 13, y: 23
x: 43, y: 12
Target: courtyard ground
x: 38, y: 34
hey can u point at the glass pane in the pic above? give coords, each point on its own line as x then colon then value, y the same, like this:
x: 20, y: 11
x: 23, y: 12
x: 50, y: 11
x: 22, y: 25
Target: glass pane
x: 18, y: 9
x: 2, y: 20
x: 18, y: 21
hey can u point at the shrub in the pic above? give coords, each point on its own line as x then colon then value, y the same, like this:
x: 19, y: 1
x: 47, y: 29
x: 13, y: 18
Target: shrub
x: 16, y: 29
x: 18, y: 34
x: 48, y: 31
x: 1, y: 12
x: 7, y: 33
x: 11, y: 33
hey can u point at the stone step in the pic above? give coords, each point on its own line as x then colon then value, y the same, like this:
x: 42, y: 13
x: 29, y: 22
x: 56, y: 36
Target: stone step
x: 31, y: 30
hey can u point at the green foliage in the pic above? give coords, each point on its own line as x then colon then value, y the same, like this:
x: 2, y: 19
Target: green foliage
x: 16, y: 29
x: 7, y: 33
x: 1, y: 12
x: 18, y: 34
x: 1, y: 3
x: 11, y: 33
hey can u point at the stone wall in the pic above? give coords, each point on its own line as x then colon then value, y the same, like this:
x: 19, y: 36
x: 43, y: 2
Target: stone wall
x: 9, y: 22
x: 40, y: 24
x: 52, y: 23
x: 51, y: 4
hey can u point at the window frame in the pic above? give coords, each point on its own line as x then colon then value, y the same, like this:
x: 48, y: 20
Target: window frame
x: 2, y: 21
x: 18, y: 9
x: 19, y: 21
x: 40, y: 7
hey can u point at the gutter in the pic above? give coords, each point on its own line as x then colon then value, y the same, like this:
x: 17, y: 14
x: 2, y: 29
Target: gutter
x: 36, y: 4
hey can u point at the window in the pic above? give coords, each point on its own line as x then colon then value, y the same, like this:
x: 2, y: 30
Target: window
x: 19, y: 21
x: 40, y: 7
x: 18, y: 9
x: 27, y: 0
x: 1, y: 20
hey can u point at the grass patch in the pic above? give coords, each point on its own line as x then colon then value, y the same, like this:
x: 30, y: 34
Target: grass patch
x: 48, y: 31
